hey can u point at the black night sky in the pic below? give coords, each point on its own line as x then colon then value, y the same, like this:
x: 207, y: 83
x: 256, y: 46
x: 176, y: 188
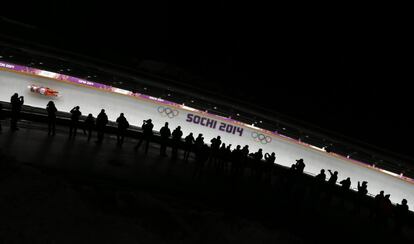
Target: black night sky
x: 344, y: 68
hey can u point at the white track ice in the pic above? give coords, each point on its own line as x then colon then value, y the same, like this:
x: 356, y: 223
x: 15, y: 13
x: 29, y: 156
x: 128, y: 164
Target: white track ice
x: 136, y: 110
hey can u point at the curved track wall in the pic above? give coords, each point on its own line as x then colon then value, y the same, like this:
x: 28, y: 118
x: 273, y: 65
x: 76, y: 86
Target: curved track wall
x: 92, y: 97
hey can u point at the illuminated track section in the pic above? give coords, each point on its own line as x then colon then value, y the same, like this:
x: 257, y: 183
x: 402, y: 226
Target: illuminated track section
x: 92, y: 97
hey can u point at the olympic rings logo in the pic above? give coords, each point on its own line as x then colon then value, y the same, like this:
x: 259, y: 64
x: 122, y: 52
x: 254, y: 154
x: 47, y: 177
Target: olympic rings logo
x: 261, y: 138
x: 168, y: 112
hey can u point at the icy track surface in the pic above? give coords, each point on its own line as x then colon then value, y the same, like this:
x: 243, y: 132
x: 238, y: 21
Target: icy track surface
x: 136, y: 110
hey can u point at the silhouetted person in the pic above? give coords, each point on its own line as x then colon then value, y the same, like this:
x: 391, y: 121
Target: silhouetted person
x: 292, y: 170
x: 362, y: 192
x: 244, y: 158
x: 146, y: 134
x: 321, y: 177
x: 377, y: 202
x: 188, y: 146
x: 165, y: 135
x: 269, y: 165
x: 346, y: 184
x: 245, y: 150
x: 332, y: 182
x: 89, y: 123
x: 236, y: 160
x: 1, y: 115
x: 199, y: 142
x: 319, y: 188
x: 16, y: 103
x: 334, y: 177
x: 255, y: 166
x: 227, y: 158
x: 51, y: 117
x: 379, y: 196
x: 290, y: 178
x: 401, y: 214
x: 221, y: 157
x: 300, y: 165
x: 215, y: 143
x: 258, y: 155
x: 270, y: 158
x: 362, y: 188
x: 384, y: 210
x: 176, y: 139
x: 123, y: 125
x: 101, y: 122
x: 74, y: 120
x: 214, y: 149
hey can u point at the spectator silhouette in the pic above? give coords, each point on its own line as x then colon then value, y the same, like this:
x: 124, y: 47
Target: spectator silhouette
x: 199, y: 142
x: 300, y: 165
x: 51, y: 118
x: 270, y: 158
x: 123, y: 125
x: 227, y: 157
x: 245, y: 151
x: 176, y: 139
x: 221, y: 157
x: 215, y: 143
x: 1, y: 115
x: 74, y: 120
x: 16, y: 103
x: 214, y: 150
x: 236, y: 160
x: 401, y: 214
x: 321, y: 177
x: 165, y: 135
x: 378, y: 198
x: 384, y: 210
x: 344, y: 190
x: 377, y: 203
x: 257, y: 155
x: 146, y: 134
x: 362, y: 188
x: 346, y: 184
x: 334, y: 177
x: 269, y: 165
x: 362, y: 192
x: 88, y: 126
x: 101, y: 122
x: 293, y: 169
x: 244, y: 158
x: 255, y: 165
x: 317, y: 193
x: 291, y: 177
x: 188, y: 146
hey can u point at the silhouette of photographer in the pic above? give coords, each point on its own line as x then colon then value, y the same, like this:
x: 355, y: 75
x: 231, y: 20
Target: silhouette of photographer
x: 146, y: 134
x: 16, y: 103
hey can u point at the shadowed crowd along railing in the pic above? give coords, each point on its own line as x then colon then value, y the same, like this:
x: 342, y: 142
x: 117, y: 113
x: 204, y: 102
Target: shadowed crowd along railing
x: 350, y: 198
x: 63, y: 118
